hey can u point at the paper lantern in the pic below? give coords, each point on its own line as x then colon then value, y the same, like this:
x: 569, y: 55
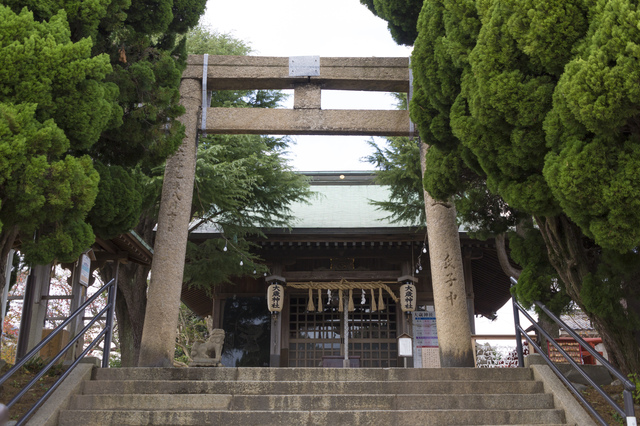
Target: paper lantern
x: 275, y: 297
x: 408, y: 297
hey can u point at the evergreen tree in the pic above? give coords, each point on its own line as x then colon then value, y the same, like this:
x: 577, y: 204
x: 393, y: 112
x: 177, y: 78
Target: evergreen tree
x: 106, y: 73
x: 528, y: 108
x: 401, y: 17
x: 54, y: 104
x: 538, y: 100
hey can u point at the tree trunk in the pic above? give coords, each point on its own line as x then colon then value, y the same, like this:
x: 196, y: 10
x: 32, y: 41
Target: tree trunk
x: 549, y: 326
x: 574, y: 258
x: 163, y: 303
x: 447, y: 277
x: 503, y: 258
x: 131, y: 303
x: 131, y: 300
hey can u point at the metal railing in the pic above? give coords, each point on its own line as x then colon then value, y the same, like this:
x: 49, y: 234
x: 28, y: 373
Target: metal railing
x: 106, y: 332
x: 629, y: 387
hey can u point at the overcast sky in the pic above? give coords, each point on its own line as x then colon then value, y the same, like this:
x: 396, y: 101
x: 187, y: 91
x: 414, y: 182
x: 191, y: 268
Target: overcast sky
x: 325, y: 28
x: 306, y: 28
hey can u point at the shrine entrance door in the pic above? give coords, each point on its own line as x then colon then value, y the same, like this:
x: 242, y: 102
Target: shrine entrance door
x: 319, y: 334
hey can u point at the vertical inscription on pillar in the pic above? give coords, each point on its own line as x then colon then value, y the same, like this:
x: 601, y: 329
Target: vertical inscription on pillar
x: 450, y: 279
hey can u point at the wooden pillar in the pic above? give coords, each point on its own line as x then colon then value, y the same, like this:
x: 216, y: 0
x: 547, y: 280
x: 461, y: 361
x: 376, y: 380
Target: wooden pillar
x: 161, y: 316
x: 217, y: 312
x: 345, y: 332
x: 406, y: 326
x: 284, y: 329
x: 275, y: 341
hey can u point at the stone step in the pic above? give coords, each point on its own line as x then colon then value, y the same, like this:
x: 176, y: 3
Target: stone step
x: 314, y: 374
x: 309, y: 387
x: 311, y: 402
x: 292, y: 418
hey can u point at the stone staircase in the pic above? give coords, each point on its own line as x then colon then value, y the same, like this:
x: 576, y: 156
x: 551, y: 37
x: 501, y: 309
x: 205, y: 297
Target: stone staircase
x: 311, y: 396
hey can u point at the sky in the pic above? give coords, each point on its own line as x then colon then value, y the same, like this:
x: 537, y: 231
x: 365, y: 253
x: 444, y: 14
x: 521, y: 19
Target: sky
x: 327, y: 28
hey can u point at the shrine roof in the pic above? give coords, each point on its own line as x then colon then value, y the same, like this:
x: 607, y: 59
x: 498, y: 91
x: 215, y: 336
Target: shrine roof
x: 343, y: 203
x: 341, y: 200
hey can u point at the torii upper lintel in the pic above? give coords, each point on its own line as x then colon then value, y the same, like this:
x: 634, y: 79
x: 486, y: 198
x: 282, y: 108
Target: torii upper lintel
x: 272, y: 73
x: 307, y: 116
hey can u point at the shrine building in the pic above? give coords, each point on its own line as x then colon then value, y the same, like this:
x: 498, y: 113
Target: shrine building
x: 339, y: 272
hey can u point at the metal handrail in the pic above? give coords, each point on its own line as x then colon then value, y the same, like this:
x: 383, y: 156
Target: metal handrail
x: 106, y: 332
x: 629, y: 387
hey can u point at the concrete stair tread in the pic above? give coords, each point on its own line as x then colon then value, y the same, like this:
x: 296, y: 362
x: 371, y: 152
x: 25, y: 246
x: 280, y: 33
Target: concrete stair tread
x: 327, y: 374
x: 319, y: 417
x: 279, y: 388
x: 302, y: 402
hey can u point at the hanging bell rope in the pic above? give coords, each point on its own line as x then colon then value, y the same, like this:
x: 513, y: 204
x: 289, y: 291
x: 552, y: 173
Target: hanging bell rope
x: 340, y: 305
x: 319, y: 300
x: 373, y: 301
x: 310, y: 306
x: 381, y: 301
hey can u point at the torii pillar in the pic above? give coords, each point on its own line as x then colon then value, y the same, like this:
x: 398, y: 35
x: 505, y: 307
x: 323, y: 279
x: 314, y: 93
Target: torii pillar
x: 447, y: 276
x: 160, y: 321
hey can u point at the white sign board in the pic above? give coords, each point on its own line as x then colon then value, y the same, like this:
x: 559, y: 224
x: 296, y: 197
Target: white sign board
x: 85, y: 270
x: 404, y: 346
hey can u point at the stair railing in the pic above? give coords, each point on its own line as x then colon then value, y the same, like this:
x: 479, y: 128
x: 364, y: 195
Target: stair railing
x: 106, y: 332
x: 629, y: 387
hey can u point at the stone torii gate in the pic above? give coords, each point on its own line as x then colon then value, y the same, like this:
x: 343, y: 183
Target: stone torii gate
x: 308, y: 76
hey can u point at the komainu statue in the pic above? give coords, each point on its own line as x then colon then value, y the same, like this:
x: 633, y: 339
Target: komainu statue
x: 208, y: 354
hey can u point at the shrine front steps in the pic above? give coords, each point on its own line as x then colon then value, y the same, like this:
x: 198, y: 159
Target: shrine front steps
x: 312, y: 396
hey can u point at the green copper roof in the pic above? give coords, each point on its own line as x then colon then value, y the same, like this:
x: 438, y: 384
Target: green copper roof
x: 343, y: 206
x: 341, y: 200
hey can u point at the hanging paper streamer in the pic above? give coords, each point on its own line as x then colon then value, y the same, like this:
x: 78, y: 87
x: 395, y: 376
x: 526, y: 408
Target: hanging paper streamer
x: 363, y: 300
x: 342, y: 286
x: 310, y: 306
x: 373, y: 301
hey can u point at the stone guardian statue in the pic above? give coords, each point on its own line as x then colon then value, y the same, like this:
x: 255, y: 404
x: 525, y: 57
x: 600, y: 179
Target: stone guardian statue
x: 209, y: 352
